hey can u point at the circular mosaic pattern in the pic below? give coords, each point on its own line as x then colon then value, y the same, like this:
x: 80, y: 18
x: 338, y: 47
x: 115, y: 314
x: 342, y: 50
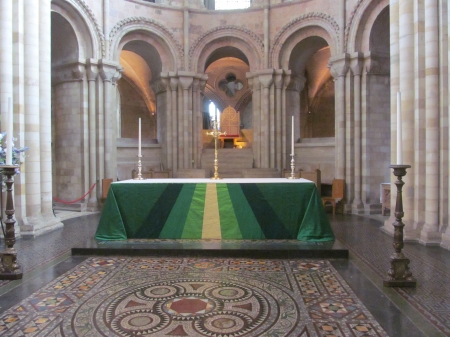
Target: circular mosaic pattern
x: 188, y: 307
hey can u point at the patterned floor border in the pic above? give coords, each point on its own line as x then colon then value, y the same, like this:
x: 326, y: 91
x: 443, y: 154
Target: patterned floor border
x: 193, y: 297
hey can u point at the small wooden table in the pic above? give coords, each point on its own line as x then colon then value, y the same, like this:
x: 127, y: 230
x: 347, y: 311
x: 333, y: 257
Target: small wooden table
x: 385, y: 197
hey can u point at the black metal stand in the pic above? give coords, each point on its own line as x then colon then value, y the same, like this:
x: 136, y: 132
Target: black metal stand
x: 399, y: 274
x: 9, y: 267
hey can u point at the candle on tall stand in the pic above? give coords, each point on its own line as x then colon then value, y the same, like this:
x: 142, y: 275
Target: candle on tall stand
x: 9, y: 134
x: 139, y: 175
x: 292, y: 137
x: 139, y: 145
x: 399, y: 130
x: 292, y: 152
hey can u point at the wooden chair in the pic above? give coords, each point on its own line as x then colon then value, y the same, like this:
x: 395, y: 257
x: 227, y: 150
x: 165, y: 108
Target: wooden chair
x: 106, y: 183
x: 337, y: 193
x: 161, y: 174
x: 287, y: 173
x: 314, y: 176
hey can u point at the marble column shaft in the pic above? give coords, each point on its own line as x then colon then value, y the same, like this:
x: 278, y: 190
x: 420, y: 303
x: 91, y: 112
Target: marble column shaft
x: 431, y: 227
x: 45, y: 99
x: 6, y: 59
x: 32, y: 107
x: 92, y: 75
x: 356, y: 66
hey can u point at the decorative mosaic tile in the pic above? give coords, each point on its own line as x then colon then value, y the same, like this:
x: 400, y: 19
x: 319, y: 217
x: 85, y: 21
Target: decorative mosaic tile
x: 193, y: 297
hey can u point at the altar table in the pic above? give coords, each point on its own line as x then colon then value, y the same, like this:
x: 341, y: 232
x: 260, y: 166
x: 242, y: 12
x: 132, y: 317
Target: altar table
x: 256, y: 208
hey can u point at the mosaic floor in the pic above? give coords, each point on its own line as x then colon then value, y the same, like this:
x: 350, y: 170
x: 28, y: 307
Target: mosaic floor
x: 193, y: 297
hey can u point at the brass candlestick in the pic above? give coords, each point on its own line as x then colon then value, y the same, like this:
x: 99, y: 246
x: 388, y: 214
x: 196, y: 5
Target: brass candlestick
x: 9, y: 267
x: 139, y: 165
x: 216, y: 133
x: 292, y: 167
x: 399, y: 274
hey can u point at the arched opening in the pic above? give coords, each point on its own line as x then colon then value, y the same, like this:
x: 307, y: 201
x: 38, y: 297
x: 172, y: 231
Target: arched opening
x: 377, y: 121
x: 142, y: 66
x: 227, y: 86
x: 67, y: 122
x: 315, y: 101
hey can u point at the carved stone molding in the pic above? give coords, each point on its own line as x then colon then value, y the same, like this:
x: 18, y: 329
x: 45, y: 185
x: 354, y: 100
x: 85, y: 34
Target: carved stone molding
x: 91, y: 16
x: 149, y: 22
x: 231, y: 31
x: 308, y: 16
x: 349, y: 23
x: 71, y: 72
x: 245, y: 99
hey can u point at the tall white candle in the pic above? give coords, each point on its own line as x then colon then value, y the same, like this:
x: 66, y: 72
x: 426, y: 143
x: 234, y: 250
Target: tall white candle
x: 399, y: 129
x: 139, y: 145
x: 292, y: 137
x: 9, y: 134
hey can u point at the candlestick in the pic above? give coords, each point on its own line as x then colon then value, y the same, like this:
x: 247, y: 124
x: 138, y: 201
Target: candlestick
x: 399, y: 130
x: 292, y: 137
x: 139, y: 143
x: 9, y: 134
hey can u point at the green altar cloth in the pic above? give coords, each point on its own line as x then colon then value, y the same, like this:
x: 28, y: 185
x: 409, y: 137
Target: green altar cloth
x: 202, y: 209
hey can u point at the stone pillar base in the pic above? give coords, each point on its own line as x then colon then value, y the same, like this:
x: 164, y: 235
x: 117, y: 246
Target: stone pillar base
x: 39, y: 224
x: 370, y: 209
x: 357, y: 208
x: 430, y: 238
x: 445, y: 241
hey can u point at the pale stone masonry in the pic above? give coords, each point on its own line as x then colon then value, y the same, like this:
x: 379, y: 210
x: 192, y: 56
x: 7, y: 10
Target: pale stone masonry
x: 60, y: 62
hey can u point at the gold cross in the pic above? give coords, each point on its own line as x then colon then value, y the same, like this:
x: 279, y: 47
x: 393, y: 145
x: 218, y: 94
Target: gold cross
x: 216, y: 134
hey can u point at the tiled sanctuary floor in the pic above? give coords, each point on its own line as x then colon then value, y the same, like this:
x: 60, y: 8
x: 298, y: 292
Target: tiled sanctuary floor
x: 423, y: 311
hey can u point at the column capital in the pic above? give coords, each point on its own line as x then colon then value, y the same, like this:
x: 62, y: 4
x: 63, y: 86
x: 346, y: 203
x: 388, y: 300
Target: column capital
x: 173, y: 83
x: 339, y: 65
x: 356, y: 63
x: 109, y: 70
x: 68, y: 72
x: 376, y: 63
x: 160, y: 85
x: 278, y: 78
x: 91, y: 69
x: 293, y: 82
x: 266, y: 77
x: 186, y: 79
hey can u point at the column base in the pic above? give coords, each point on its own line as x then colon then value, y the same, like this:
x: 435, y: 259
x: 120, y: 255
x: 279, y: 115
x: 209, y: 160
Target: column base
x: 430, y: 238
x: 445, y: 241
x: 39, y: 224
x: 370, y: 209
x: 357, y: 208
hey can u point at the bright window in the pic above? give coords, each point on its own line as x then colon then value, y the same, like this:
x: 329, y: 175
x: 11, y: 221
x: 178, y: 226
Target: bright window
x: 232, y: 4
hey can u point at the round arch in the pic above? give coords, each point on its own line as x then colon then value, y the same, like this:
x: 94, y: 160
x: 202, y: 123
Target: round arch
x: 360, y: 24
x: 230, y: 38
x: 169, y: 50
x: 89, y: 37
x: 299, y: 29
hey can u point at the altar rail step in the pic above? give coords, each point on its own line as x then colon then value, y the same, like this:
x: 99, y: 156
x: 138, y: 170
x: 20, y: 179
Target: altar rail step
x: 231, y: 161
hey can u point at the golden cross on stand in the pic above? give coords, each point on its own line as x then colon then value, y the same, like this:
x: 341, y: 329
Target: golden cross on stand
x: 216, y: 134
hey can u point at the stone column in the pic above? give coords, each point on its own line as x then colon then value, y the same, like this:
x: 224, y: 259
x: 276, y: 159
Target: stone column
x: 266, y: 79
x: 185, y: 129
x: 430, y: 232
x: 6, y: 60
x: 338, y: 68
x: 174, y: 122
x: 32, y: 109
x: 286, y: 80
x: 92, y: 73
x: 108, y: 72
x: 106, y: 25
x: 356, y: 64
x: 45, y: 104
x: 168, y: 122
x: 279, y: 132
x: 254, y: 81
x: 407, y: 87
